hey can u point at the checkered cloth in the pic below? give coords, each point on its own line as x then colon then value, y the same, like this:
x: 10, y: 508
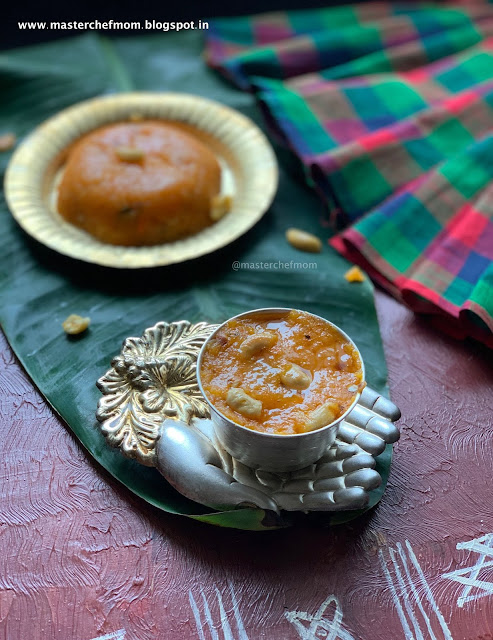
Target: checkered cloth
x: 390, y: 110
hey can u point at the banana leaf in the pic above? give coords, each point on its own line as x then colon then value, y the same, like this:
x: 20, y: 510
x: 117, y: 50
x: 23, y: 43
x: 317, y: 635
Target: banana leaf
x: 39, y: 288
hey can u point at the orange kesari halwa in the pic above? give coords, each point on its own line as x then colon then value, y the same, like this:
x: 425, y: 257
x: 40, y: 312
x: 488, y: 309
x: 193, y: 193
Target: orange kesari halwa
x: 139, y: 183
x: 284, y: 373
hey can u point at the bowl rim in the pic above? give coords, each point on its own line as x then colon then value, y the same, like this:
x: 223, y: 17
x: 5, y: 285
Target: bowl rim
x: 266, y: 310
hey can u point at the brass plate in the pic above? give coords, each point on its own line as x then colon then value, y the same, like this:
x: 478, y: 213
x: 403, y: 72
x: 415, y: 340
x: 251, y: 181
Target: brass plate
x: 249, y: 174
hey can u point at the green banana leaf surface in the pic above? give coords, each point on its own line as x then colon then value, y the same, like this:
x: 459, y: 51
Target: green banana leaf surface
x: 39, y: 288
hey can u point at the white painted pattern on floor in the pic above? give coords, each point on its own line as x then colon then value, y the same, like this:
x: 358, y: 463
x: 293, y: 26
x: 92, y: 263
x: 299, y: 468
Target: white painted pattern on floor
x: 320, y: 622
x: 209, y: 625
x: 115, y: 635
x: 413, y: 598
x: 469, y: 576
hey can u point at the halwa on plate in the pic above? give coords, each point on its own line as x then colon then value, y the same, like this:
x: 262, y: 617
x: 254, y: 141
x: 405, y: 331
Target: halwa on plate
x: 140, y: 183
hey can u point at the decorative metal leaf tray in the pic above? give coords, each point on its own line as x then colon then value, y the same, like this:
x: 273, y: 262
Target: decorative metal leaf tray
x: 153, y: 411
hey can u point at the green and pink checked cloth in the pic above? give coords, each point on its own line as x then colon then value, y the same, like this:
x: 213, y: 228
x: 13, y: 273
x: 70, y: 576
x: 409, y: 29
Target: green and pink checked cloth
x: 389, y: 107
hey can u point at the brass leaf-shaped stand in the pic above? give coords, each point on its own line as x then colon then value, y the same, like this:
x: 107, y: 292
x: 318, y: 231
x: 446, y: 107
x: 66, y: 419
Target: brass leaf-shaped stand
x: 153, y: 378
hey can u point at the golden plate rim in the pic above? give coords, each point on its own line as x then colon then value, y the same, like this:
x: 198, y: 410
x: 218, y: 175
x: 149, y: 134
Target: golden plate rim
x: 256, y: 173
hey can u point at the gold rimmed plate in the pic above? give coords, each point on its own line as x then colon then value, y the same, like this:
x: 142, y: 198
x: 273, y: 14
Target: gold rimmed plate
x: 248, y: 163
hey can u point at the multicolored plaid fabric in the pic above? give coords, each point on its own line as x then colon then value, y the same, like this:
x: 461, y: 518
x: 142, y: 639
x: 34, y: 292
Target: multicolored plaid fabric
x: 390, y: 109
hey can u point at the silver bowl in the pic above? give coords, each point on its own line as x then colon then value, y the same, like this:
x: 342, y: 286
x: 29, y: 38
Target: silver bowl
x: 266, y: 451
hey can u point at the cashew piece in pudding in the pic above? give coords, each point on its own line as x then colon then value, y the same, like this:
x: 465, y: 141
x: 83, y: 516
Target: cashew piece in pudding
x: 220, y: 206
x: 241, y: 402
x: 129, y: 154
x: 257, y: 342
x: 322, y: 416
x: 294, y: 377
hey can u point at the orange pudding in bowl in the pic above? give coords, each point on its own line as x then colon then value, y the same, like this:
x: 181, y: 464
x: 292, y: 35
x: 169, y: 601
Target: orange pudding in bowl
x: 281, y: 372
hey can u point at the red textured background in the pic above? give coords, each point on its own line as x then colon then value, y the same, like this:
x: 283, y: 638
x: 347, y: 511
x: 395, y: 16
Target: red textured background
x: 81, y: 557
